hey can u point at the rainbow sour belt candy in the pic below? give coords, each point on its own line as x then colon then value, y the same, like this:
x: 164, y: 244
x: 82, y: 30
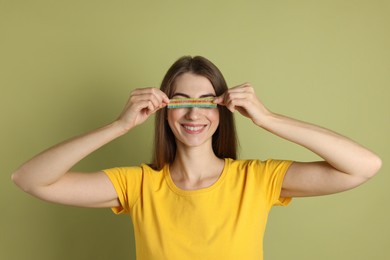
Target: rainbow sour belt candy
x: 192, y: 102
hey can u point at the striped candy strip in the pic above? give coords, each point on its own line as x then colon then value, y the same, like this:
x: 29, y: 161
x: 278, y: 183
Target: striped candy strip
x: 192, y: 102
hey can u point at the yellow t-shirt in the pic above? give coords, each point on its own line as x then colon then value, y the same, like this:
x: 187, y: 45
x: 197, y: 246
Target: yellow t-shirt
x: 224, y: 221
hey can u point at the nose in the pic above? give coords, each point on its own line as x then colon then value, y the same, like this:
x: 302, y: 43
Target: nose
x: 193, y: 113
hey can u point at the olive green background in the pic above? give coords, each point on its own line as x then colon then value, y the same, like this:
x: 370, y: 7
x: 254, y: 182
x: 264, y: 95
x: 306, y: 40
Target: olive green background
x: 67, y: 67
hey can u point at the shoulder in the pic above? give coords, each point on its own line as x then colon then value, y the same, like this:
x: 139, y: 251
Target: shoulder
x: 126, y: 170
x: 134, y: 177
x: 243, y: 168
x: 130, y: 170
x: 249, y: 163
x: 258, y: 166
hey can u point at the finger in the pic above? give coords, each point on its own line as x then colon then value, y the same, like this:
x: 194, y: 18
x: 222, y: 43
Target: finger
x: 237, y: 95
x: 153, y: 108
x: 156, y: 100
x: 165, y: 98
x: 161, y: 96
x: 241, y: 87
x: 219, y: 100
x: 231, y: 98
x: 238, y: 104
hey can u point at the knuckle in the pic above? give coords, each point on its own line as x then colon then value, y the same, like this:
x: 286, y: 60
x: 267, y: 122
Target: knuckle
x: 229, y: 95
x: 248, y: 85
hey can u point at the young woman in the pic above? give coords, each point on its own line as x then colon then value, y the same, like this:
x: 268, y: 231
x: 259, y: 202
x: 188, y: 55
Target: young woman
x: 196, y: 200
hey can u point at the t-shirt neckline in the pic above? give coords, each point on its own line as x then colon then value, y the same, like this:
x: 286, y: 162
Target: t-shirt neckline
x: 183, y: 192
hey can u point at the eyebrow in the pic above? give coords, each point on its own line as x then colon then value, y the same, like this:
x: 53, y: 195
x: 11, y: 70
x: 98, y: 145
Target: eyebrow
x: 187, y: 96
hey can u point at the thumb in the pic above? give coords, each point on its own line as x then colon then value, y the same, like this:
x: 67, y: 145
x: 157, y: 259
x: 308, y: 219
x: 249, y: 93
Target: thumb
x: 219, y: 100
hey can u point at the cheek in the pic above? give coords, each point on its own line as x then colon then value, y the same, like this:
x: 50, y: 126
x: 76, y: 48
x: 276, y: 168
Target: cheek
x: 213, y: 116
x: 172, y: 116
x: 170, y: 119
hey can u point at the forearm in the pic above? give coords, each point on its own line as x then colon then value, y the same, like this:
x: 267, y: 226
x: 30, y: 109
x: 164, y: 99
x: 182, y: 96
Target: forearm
x: 49, y: 166
x: 340, y: 152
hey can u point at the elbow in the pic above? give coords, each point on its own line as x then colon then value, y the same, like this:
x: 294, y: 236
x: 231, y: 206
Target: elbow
x: 373, y: 167
x: 18, y: 180
x: 15, y: 177
x: 378, y: 165
x: 368, y: 171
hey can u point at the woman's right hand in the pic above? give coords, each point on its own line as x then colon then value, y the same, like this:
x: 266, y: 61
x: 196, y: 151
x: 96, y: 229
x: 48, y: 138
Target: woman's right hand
x: 142, y: 103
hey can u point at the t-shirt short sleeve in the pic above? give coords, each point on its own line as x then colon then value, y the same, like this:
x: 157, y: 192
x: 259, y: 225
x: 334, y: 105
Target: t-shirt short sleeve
x: 273, y: 176
x: 127, y: 183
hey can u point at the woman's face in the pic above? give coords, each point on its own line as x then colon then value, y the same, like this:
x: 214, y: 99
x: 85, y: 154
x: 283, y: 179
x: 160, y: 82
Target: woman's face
x: 193, y: 126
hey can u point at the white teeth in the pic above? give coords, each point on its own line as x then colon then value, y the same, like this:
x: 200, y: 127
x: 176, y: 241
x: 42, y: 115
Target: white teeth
x: 193, y: 128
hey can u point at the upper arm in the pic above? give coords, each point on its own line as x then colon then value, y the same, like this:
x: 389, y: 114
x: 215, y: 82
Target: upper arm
x: 81, y: 189
x: 316, y: 178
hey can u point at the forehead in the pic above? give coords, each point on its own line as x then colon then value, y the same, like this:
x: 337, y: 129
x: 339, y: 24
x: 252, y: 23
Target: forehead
x: 193, y: 85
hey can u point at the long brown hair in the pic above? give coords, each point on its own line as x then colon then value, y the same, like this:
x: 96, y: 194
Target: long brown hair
x: 224, y: 139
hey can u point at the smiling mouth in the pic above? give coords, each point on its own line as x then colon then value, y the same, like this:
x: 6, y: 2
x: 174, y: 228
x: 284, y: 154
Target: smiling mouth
x: 193, y: 129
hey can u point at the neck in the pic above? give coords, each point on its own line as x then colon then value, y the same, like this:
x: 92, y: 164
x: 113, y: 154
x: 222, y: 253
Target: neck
x: 195, y: 163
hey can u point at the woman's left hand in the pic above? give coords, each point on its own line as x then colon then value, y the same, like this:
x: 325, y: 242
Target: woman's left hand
x: 243, y: 99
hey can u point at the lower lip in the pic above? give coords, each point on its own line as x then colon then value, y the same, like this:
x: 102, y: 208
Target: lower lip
x: 197, y: 131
